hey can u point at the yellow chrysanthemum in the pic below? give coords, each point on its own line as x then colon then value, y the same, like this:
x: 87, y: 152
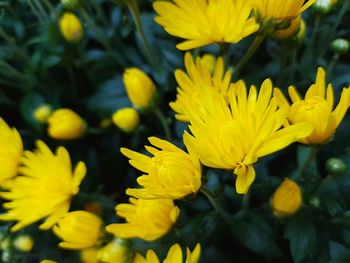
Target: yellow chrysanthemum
x: 316, y: 108
x: 78, y: 230
x: 198, y: 76
x: 146, y: 219
x: 282, y: 10
x: 115, y: 251
x: 203, y: 22
x: 174, y: 255
x: 235, y: 135
x: 44, y: 189
x: 11, y: 150
x: 170, y: 173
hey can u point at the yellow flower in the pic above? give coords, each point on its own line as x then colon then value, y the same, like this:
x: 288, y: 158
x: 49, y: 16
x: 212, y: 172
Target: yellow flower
x: 287, y: 199
x: 65, y: 124
x: 126, y: 119
x: 78, y: 230
x: 48, y: 261
x: 316, y: 108
x: 139, y: 87
x: 23, y: 243
x: 44, y: 188
x: 89, y: 255
x: 70, y: 27
x: 174, y: 255
x: 282, y: 10
x: 209, y: 61
x: 289, y: 32
x: 11, y: 150
x: 192, y: 83
x: 170, y: 173
x: 233, y: 136
x: 146, y: 219
x: 42, y: 113
x: 115, y: 251
x: 203, y: 22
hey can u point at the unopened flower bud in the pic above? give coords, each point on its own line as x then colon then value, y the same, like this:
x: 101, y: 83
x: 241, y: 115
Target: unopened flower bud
x: 42, y: 113
x: 72, y: 4
x: 23, y: 243
x: 340, y: 46
x: 322, y: 6
x: 290, y: 31
x: 335, y: 166
x: 126, y: 119
x: 71, y: 27
x: 115, y: 251
x: 65, y: 124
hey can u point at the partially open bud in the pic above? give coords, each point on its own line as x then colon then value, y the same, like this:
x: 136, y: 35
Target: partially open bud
x: 65, y: 124
x: 115, y: 251
x: 335, y: 166
x: 340, y: 46
x: 23, y: 243
x: 126, y: 119
x: 42, y: 113
x: 287, y: 199
x: 71, y: 27
x: 289, y: 32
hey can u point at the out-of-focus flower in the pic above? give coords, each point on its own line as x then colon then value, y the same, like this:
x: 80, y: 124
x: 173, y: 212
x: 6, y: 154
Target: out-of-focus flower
x: 78, y: 230
x: 209, y: 61
x: 340, y: 46
x: 5, y: 244
x: 115, y: 251
x: 281, y: 10
x: 316, y: 108
x: 234, y: 135
x: 42, y: 113
x: 65, y: 124
x: 72, y: 4
x: 139, y: 87
x: 48, y: 261
x: 335, y: 166
x: 191, y: 84
x: 126, y: 119
x: 174, y: 255
x: 204, y: 22
x: 11, y: 150
x: 105, y: 123
x: 89, y: 255
x: 170, y: 173
x: 289, y: 32
x: 287, y: 199
x: 146, y: 219
x: 23, y: 243
x: 71, y: 28
x: 44, y: 189
x: 323, y: 6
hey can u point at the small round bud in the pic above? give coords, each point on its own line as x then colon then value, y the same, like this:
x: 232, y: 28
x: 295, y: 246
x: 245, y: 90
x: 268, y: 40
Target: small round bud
x: 315, y: 202
x: 72, y: 4
x: 126, y: 119
x: 23, y: 243
x: 71, y: 27
x: 322, y: 7
x: 340, y: 46
x: 42, y: 113
x: 335, y: 166
x: 5, y: 244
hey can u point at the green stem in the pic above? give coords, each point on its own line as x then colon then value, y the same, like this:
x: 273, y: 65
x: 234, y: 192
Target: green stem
x: 164, y: 123
x: 331, y: 65
x: 310, y: 158
x: 224, y: 53
x: 35, y: 11
x: 249, y: 53
x: 215, y: 203
x: 135, y: 12
x: 41, y: 9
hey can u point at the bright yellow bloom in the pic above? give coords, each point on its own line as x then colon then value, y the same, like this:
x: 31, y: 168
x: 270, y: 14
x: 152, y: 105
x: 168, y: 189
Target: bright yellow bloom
x: 170, y: 173
x: 204, y: 22
x: 70, y: 27
x: 174, y: 255
x: 139, y: 87
x: 126, y: 119
x: 282, y: 10
x: 316, y: 108
x: 78, y: 230
x: 287, y: 199
x: 23, y: 243
x: 146, y: 219
x: 115, y: 251
x: 192, y: 83
x: 233, y: 136
x: 11, y: 150
x: 42, y: 113
x: 89, y: 255
x: 65, y: 124
x: 44, y: 189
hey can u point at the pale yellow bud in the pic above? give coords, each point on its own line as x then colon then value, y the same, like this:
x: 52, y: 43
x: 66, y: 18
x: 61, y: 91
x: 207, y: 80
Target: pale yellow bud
x: 126, y: 119
x: 139, y: 87
x: 42, y: 113
x: 71, y: 27
x: 89, y: 255
x: 115, y: 251
x: 23, y: 243
x: 287, y: 199
x: 65, y: 124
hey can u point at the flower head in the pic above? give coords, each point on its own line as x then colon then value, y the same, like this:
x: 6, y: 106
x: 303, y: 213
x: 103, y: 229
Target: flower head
x: 192, y: 83
x: 204, y: 22
x: 287, y: 199
x: 78, y: 230
x: 174, y: 255
x: 146, y: 219
x: 282, y: 10
x: 65, y: 124
x: 139, y: 87
x: 44, y: 189
x: 170, y: 173
x: 115, y: 251
x: 23, y: 243
x: 317, y: 105
x: 126, y: 119
x: 42, y: 113
x: 11, y: 150
x: 70, y: 27
x: 234, y: 135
